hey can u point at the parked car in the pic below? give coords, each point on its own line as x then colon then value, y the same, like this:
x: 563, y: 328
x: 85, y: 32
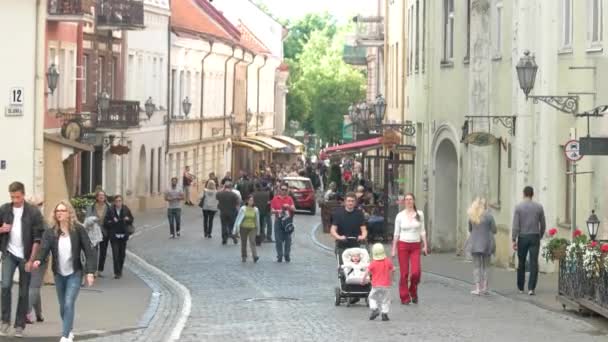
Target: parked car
x: 303, y: 193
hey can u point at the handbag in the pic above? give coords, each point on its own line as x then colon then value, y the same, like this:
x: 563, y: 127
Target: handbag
x: 201, y: 202
x: 130, y: 229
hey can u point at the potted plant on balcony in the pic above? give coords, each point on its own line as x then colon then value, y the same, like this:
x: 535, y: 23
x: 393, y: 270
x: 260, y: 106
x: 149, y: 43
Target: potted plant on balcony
x: 555, y: 249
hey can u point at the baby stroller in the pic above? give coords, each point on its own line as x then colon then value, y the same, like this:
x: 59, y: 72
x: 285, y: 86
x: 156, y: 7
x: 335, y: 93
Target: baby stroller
x: 349, y: 287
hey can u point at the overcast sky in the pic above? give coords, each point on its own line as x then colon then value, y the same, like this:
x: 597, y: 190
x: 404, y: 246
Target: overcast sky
x: 341, y: 9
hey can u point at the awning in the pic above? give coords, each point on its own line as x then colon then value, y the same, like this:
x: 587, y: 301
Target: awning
x: 255, y: 148
x: 68, y: 143
x: 265, y: 141
x: 292, y: 145
x: 357, y: 146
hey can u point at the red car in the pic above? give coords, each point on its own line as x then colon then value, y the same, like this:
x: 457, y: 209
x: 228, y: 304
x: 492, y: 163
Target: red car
x: 303, y: 193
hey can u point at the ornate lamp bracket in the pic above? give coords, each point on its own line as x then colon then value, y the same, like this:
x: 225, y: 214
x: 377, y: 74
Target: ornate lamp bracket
x: 507, y: 121
x: 567, y: 104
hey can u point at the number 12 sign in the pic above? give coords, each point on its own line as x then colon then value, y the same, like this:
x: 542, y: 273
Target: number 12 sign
x: 16, y: 96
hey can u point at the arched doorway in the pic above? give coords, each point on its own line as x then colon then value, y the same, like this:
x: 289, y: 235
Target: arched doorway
x: 445, y: 221
x: 141, y: 172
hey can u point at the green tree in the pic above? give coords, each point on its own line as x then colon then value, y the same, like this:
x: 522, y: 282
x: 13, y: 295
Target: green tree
x: 300, y: 31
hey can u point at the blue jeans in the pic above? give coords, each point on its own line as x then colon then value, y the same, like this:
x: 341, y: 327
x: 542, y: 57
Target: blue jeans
x: 9, y: 264
x: 67, y: 291
x: 175, y: 216
x: 282, y: 241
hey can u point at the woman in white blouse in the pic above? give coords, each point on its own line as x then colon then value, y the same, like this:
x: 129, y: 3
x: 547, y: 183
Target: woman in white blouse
x: 66, y: 240
x: 408, y: 242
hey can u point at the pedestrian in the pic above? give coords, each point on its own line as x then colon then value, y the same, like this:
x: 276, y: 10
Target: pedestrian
x: 212, y: 177
x: 244, y: 185
x: 227, y: 178
x: 66, y: 240
x: 21, y: 227
x: 99, y: 209
x: 37, y: 278
x: 282, y: 238
x: 409, y: 240
x: 187, y: 180
x: 174, y: 197
x: 208, y: 202
x: 381, y: 270
x: 348, y: 225
x: 528, y: 228
x: 228, y: 204
x: 247, y: 223
x: 118, y: 220
x: 482, y: 229
x: 261, y: 198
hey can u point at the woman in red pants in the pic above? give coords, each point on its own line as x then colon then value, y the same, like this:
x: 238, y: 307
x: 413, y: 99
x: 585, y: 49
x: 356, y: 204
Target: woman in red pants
x: 408, y: 242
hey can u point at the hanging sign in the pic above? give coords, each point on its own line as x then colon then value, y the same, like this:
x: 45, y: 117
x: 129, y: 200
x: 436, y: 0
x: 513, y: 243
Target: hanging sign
x: 390, y: 138
x: 572, y: 149
x: 480, y: 139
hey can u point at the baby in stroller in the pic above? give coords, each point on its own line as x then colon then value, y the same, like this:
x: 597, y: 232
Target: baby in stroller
x: 355, y: 263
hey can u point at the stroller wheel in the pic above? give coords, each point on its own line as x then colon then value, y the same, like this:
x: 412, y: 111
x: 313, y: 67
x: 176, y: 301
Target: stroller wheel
x: 337, y: 292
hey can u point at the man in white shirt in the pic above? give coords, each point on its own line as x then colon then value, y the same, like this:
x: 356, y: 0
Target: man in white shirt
x: 21, y: 228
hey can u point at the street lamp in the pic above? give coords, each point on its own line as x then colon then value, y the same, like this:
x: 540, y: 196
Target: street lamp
x: 593, y: 225
x: 249, y: 115
x: 526, y: 74
x: 150, y: 107
x: 104, y: 101
x: 380, y: 107
x: 52, y: 77
x: 186, y: 105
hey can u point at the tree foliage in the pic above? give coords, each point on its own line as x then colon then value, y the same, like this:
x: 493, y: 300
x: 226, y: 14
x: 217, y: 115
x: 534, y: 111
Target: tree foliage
x: 321, y: 85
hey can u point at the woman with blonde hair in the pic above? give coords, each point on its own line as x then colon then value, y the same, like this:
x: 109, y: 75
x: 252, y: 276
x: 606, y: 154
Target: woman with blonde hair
x: 481, y: 242
x: 66, y: 239
x: 208, y: 202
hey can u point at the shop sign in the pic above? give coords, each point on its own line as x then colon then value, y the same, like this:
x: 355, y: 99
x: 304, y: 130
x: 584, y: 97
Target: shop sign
x: 480, y: 139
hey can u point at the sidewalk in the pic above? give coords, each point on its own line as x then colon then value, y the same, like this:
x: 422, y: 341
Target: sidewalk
x: 502, y: 281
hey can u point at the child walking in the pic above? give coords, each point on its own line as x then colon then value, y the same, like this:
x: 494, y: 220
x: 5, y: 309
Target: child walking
x: 380, y: 269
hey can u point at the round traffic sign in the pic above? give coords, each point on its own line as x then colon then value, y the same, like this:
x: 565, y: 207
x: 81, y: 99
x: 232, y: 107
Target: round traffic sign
x: 572, y: 149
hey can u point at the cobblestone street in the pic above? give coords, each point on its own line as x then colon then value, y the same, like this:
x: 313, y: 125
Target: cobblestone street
x: 232, y: 301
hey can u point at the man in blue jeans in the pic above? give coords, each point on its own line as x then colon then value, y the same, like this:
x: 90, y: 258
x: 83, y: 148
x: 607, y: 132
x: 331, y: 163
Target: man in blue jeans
x: 20, y: 234
x: 174, y: 197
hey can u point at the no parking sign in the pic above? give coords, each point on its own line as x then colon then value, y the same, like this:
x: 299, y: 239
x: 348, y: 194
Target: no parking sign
x: 572, y: 149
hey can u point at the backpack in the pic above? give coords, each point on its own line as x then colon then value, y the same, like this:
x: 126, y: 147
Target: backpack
x: 287, y: 223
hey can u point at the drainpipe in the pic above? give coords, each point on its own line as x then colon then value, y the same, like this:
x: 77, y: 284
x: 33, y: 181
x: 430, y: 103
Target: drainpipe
x: 258, y: 92
x: 39, y: 98
x: 203, y: 87
x: 226, y: 85
x: 247, y: 87
x: 169, y: 83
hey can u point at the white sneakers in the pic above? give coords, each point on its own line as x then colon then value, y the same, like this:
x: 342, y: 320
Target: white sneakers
x: 68, y: 339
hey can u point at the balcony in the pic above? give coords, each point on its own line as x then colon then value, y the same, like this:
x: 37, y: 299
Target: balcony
x: 70, y: 10
x: 370, y: 31
x: 355, y: 55
x: 119, y: 115
x: 120, y: 14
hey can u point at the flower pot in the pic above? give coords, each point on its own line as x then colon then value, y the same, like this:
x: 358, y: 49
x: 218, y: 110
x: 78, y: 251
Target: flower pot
x: 559, y: 253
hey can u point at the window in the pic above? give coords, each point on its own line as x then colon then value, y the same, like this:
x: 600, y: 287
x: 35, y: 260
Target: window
x: 131, y: 77
x: 181, y: 95
x: 498, y: 30
x: 114, y: 73
x: 468, y: 55
x: 396, y: 77
x: 448, y: 30
x: 423, y: 33
x: 159, y: 172
x: 417, y: 63
x: 101, y: 85
x: 155, y: 82
x: 151, y: 171
x: 410, y: 40
x: 85, y: 77
x: 174, y: 101
x: 566, y: 24
x: 596, y: 24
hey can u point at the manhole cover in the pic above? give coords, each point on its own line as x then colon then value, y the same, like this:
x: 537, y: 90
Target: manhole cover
x: 270, y: 299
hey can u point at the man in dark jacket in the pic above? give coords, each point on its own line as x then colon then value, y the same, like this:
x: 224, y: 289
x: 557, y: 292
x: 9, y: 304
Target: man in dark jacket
x: 228, y: 204
x: 20, y: 234
x: 261, y: 198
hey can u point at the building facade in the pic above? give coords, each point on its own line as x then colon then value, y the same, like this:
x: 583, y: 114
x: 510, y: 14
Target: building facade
x: 462, y: 80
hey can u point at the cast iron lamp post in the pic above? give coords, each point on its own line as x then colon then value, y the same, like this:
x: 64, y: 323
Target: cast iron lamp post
x: 52, y: 77
x: 186, y: 106
x: 149, y: 107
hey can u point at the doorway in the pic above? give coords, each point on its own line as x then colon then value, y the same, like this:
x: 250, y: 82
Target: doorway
x: 445, y: 221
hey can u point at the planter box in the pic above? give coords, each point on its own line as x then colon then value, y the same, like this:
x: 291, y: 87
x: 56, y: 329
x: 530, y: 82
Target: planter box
x: 575, y: 286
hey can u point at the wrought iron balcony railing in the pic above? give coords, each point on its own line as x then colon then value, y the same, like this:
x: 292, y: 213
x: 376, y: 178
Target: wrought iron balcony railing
x: 70, y: 10
x: 370, y: 30
x: 119, y: 115
x: 120, y: 14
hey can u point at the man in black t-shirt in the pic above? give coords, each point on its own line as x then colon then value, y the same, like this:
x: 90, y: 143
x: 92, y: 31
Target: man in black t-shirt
x: 348, y: 224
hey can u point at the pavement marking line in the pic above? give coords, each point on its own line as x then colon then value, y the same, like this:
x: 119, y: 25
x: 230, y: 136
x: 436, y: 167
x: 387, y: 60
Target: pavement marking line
x: 183, y: 291
x: 313, y: 237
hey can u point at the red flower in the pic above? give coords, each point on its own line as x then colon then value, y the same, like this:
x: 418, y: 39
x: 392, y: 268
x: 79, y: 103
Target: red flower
x: 604, y: 248
x: 593, y: 244
x: 552, y: 231
x: 577, y: 233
